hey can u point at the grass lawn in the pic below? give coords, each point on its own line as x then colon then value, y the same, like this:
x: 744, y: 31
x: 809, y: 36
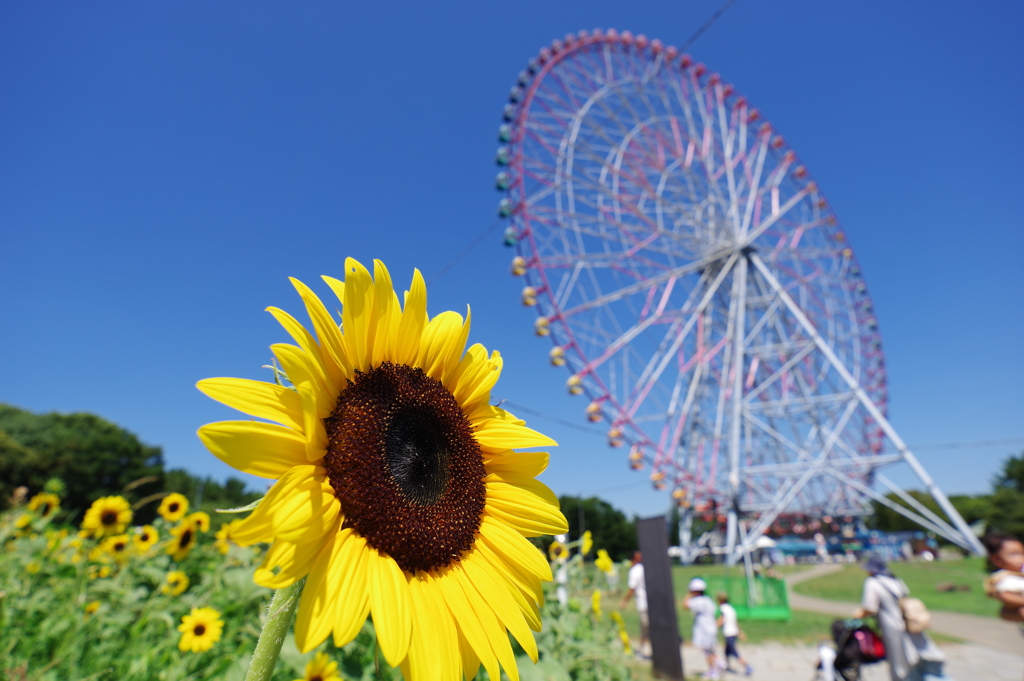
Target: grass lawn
x: 921, y: 578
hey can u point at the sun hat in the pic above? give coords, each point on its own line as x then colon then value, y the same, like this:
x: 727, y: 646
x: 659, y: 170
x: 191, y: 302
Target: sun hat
x: 698, y: 584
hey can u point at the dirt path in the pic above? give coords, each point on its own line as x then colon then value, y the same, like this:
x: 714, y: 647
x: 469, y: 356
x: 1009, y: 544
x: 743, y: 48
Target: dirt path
x: 779, y: 662
x: 985, y: 631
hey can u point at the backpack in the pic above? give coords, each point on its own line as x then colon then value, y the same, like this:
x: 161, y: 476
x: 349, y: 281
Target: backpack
x: 916, y: 617
x: 869, y: 644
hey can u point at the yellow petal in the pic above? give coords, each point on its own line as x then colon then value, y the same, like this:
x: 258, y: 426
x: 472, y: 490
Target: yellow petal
x: 309, y: 511
x: 514, y: 547
x: 511, y: 465
x: 315, y: 618
x: 349, y: 571
x: 317, y: 402
x: 262, y: 449
x: 526, y: 583
x: 470, y: 661
x: 337, y: 286
x: 256, y: 398
x: 433, y: 652
x: 381, y: 336
x: 524, y: 509
x: 308, y: 344
x: 467, y: 622
x: 332, y: 344
x: 259, y: 527
x: 499, y: 435
x: 473, y: 385
x: 355, y: 314
x: 293, y: 561
x: 389, y: 607
x: 496, y: 636
x: 496, y: 592
x: 414, y: 318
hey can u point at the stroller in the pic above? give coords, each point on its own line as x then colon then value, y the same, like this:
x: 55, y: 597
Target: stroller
x: 856, y: 644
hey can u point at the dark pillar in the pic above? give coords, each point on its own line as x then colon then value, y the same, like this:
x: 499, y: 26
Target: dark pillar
x: 661, y: 599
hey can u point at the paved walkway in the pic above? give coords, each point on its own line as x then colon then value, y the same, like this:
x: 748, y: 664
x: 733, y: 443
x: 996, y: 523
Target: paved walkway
x: 985, y: 631
x: 779, y: 662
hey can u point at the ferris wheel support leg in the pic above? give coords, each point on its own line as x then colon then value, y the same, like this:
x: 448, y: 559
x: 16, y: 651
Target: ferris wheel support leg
x: 686, y: 537
x: 739, y: 314
x: 908, y: 456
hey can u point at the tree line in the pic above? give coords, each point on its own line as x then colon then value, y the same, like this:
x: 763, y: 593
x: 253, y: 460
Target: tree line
x: 95, y: 458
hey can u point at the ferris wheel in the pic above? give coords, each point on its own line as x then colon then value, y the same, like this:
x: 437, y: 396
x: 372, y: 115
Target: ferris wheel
x: 699, y: 289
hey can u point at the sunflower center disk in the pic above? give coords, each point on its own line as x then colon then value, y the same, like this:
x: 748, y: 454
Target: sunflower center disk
x: 108, y: 518
x: 405, y: 467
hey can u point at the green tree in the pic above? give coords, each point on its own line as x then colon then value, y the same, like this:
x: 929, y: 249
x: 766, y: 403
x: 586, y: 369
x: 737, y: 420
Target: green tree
x: 1007, y: 502
x: 92, y: 456
x: 610, y: 527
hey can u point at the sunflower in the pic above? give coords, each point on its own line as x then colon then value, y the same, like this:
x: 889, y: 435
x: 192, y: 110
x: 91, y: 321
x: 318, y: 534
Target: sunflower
x: 604, y: 563
x: 321, y: 668
x: 587, y: 543
x: 33, y: 567
x: 173, y: 507
x: 177, y: 583
x: 623, y: 636
x: 145, y: 538
x: 91, y: 608
x: 200, y: 521
x: 107, y: 516
x: 399, y: 493
x: 558, y: 551
x: 200, y: 629
x: 223, y: 536
x: 44, y: 504
x: 595, y: 603
x: 117, y: 547
x: 184, y: 538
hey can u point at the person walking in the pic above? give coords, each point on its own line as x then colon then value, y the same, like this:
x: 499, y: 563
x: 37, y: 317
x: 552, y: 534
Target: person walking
x: 730, y: 625
x: 911, y: 657
x: 638, y: 590
x: 705, y: 626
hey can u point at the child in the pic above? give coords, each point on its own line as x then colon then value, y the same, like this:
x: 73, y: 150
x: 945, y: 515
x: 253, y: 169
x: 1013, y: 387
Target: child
x: 705, y: 628
x: 731, y: 631
x: 1006, y: 583
x: 825, y: 667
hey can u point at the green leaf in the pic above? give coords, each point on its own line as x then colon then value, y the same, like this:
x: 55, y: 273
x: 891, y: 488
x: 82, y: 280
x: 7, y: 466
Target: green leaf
x: 240, y: 509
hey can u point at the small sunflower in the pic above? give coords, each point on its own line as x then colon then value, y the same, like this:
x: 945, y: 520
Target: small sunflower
x: 33, y: 567
x: 558, y: 551
x: 200, y: 629
x: 99, y: 571
x: 321, y: 668
x: 145, y: 538
x: 118, y: 547
x: 200, y: 521
x: 176, y: 584
x: 44, y: 504
x: 595, y: 603
x: 183, y: 538
x: 223, y: 536
x: 91, y: 608
x: 604, y: 563
x: 623, y: 634
x: 107, y: 516
x: 588, y: 543
x: 399, y: 493
x: 173, y: 507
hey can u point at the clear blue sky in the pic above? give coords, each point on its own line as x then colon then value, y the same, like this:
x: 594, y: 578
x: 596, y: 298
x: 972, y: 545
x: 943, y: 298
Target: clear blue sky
x: 164, y: 167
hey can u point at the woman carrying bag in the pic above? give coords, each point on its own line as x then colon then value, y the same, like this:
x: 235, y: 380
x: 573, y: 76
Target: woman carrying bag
x: 911, y: 656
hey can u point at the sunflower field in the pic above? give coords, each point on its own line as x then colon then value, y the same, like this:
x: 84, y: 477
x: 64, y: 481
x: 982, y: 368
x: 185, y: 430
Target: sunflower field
x: 120, y: 601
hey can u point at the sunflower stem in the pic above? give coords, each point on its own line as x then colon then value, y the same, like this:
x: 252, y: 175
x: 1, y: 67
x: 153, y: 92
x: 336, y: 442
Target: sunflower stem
x: 279, y: 619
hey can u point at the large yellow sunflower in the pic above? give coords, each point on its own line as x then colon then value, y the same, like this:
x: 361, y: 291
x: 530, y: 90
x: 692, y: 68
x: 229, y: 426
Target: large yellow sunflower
x: 107, y: 516
x: 399, y: 493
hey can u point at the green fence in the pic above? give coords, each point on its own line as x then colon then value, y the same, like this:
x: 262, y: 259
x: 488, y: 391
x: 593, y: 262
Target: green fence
x: 770, y: 598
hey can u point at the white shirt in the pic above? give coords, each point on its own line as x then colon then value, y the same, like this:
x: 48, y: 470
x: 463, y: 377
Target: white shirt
x: 705, y: 628
x: 639, y: 586
x: 730, y: 627
x: 1011, y: 583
